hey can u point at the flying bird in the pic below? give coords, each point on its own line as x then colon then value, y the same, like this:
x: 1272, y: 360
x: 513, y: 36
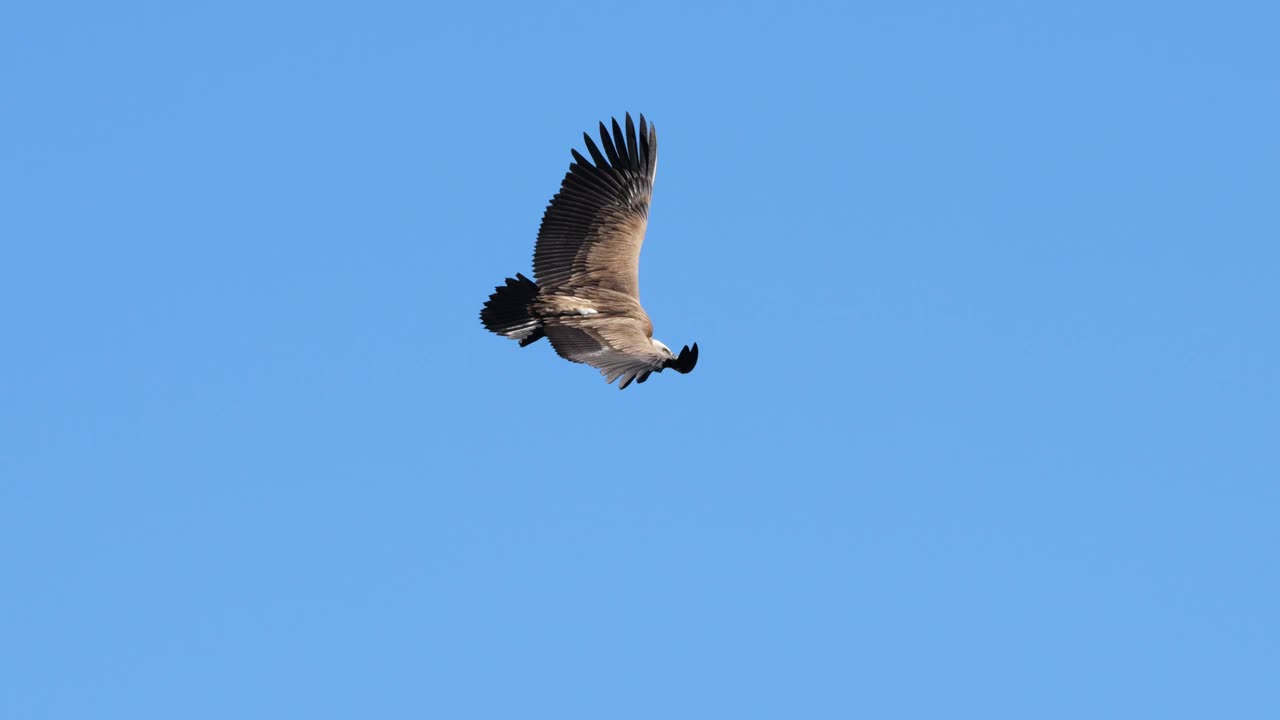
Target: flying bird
x: 585, y: 298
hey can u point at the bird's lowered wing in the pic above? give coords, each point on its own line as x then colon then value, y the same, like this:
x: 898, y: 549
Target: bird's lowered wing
x: 592, y: 231
x: 616, y: 345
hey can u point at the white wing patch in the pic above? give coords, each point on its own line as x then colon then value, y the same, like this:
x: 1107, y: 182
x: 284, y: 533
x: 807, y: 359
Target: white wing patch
x: 586, y: 311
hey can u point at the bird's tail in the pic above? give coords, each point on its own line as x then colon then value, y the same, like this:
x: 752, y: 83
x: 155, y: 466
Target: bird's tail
x: 507, y: 311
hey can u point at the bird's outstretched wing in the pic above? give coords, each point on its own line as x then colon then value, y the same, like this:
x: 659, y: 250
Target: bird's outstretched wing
x: 617, y: 345
x: 592, y: 231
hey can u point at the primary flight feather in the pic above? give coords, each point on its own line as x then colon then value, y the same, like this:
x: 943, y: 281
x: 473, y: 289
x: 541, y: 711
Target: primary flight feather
x: 586, y: 298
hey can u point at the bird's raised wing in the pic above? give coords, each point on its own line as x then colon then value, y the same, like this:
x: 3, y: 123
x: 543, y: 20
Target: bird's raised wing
x: 617, y: 345
x: 592, y: 231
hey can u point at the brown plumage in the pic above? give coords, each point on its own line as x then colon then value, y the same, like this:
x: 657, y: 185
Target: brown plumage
x: 586, y: 300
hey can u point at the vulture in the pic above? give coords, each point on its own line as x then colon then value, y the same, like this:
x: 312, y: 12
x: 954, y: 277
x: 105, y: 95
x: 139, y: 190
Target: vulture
x: 585, y: 295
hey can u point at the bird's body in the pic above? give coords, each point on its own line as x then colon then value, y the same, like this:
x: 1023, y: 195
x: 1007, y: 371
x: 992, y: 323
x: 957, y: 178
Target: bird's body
x: 586, y: 300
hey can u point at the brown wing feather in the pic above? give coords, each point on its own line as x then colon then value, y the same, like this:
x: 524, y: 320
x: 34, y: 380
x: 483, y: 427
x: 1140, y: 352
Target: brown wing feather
x: 618, y: 346
x: 592, y: 231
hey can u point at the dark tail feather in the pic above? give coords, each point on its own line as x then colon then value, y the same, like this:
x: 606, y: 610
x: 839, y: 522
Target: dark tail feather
x: 685, y: 361
x: 507, y: 311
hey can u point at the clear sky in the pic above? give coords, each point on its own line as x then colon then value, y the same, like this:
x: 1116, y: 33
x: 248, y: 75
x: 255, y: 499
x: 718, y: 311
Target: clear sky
x: 986, y: 422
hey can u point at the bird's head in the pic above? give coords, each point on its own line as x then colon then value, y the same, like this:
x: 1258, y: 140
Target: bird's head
x: 662, y: 348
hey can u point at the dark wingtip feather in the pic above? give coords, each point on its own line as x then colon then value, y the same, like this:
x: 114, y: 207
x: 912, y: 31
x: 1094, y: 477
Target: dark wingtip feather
x: 652, y: 155
x: 644, y: 144
x: 607, y: 143
x: 595, y: 151
x: 620, y: 143
x: 633, y: 150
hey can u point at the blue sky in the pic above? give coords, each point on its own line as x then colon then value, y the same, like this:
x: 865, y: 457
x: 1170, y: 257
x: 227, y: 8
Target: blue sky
x: 985, y: 422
